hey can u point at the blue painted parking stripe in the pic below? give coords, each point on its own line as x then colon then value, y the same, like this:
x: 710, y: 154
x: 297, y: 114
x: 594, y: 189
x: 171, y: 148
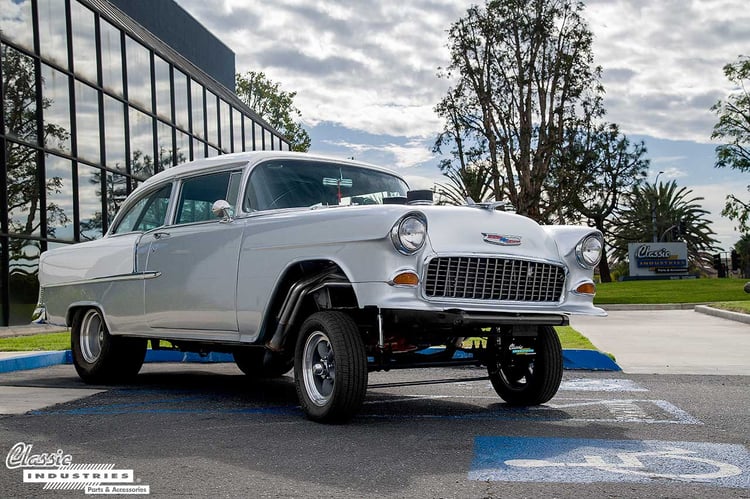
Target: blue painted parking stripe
x: 570, y: 460
x: 572, y: 359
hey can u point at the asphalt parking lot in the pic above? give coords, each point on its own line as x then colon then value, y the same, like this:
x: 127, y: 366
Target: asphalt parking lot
x: 198, y: 430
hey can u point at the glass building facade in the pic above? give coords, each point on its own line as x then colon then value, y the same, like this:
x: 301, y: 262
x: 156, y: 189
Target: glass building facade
x: 93, y: 104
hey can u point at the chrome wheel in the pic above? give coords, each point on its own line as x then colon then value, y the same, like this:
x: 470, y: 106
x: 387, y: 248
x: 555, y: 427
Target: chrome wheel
x: 330, y: 367
x: 100, y: 357
x: 92, y: 336
x: 319, y: 368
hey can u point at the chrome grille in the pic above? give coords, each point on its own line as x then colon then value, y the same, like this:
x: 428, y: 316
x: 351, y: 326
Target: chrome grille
x: 499, y: 279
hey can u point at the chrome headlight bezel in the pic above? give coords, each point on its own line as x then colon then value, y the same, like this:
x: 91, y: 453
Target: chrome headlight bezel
x: 589, y: 251
x: 409, y: 233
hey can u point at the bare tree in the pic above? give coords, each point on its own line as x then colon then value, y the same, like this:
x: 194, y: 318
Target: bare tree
x: 524, y: 73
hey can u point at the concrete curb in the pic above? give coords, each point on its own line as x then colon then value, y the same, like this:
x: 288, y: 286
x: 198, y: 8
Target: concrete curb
x: 590, y: 360
x: 724, y: 314
x: 25, y: 361
x: 619, y: 307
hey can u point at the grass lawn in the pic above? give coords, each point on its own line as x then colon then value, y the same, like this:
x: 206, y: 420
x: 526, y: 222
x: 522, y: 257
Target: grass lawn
x: 668, y: 291
x: 742, y: 307
x: 569, y: 337
x: 37, y: 342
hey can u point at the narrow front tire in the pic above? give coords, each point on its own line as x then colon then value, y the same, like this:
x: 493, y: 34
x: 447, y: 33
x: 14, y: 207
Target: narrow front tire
x: 330, y: 367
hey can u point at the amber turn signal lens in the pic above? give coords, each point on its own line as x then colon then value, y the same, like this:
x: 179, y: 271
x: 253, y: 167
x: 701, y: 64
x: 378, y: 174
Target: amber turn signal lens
x: 587, y: 288
x: 406, y: 279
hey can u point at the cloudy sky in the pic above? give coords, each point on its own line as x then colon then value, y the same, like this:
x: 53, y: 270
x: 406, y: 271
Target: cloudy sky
x: 365, y: 76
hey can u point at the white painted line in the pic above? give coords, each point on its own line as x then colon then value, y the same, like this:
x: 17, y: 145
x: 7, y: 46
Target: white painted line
x: 568, y: 460
x: 601, y: 385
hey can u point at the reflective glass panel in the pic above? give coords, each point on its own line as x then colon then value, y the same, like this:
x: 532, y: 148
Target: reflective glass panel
x: 19, y: 95
x: 53, y: 39
x: 90, y: 201
x: 163, y: 88
x: 111, y: 57
x: 56, y: 109
x: 59, y: 211
x: 181, y: 114
x: 117, y: 191
x: 23, y: 281
x: 164, y: 136
x: 15, y: 19
x: 84, y: 41
x: 199, y: 149
x: 226, y: 128
x: 87, y: 122
x: 141, y: 144
x: 212, y: 151
x: 23, y: 189
x: 248, y: 126
x: 212, y: 123
x: 139, y: 73
x: 196, y: 104
x: 114, y: 133
x: 182, y: 152
x: 236, y: 131
x: 258, y: 137
x: 267, y: 140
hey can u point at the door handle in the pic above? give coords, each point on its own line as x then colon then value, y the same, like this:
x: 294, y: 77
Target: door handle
x: 161, y: 235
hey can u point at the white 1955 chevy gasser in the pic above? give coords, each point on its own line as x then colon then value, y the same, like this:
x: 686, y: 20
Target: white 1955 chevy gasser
x: 332, y: 268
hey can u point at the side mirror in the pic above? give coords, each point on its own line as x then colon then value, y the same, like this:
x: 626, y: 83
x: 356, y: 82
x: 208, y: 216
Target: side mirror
x: 222, y: 209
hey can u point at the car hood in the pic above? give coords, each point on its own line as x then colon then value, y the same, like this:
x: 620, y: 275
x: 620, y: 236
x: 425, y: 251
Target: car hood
x: 463, y: 229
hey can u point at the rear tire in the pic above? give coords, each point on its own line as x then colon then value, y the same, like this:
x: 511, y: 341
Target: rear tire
x: 532, y: 380
x: 98, y: 356
x: 330, y: 367
x: 260, y: 363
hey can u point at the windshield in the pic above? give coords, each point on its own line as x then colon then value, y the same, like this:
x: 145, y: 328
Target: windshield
x: 299, y: 183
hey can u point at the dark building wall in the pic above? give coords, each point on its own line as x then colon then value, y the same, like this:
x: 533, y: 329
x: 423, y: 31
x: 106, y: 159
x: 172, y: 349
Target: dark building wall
x: 178, y: 29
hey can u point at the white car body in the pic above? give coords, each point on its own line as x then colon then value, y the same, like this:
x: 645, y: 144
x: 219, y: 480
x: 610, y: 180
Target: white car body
x: 241, y: 280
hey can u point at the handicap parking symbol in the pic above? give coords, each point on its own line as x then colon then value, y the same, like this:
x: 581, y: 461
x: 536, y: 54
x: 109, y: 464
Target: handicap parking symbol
x: 569, y: 460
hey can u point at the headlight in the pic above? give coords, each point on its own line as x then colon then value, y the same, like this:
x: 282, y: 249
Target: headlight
x: 409, y: 233
x: 589, y: 251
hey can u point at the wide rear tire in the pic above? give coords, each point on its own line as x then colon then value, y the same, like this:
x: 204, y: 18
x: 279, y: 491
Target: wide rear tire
x: 330, y: 367
x: 527, y: 380
x: 98, y: 356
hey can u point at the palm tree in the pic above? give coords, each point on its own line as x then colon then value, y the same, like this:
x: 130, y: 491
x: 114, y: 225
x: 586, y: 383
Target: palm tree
x: 666, y: 213
x: 470, y: 181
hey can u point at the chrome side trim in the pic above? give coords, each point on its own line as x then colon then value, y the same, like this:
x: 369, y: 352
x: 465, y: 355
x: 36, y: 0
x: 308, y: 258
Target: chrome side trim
x: 136, y: 276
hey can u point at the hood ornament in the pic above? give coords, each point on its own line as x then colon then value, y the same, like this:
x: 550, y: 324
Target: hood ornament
x: 501, y: 239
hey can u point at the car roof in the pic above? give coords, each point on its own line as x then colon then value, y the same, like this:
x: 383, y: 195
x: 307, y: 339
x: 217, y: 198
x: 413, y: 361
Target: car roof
x: 251, y: 158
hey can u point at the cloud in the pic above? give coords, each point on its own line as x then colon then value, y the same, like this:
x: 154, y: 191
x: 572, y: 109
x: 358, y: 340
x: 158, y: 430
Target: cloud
x: 676, y: 50
x: 411, y: 154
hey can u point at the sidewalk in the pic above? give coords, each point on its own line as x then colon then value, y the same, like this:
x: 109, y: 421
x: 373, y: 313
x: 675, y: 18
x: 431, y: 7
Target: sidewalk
x: 670, y: 341
x: 29, y: 330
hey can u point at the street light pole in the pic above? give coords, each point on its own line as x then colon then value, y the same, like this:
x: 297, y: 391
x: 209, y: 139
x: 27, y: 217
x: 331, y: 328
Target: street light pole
x: 653, y: 210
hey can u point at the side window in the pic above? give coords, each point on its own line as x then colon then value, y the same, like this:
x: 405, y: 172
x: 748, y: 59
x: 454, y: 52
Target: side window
x: 199, y: 194
x: 147, y: 213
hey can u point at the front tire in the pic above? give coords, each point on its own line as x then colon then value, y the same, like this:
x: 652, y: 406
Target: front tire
x: 98, y: 356
x: 527, y: 380
x: 330, y: 367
